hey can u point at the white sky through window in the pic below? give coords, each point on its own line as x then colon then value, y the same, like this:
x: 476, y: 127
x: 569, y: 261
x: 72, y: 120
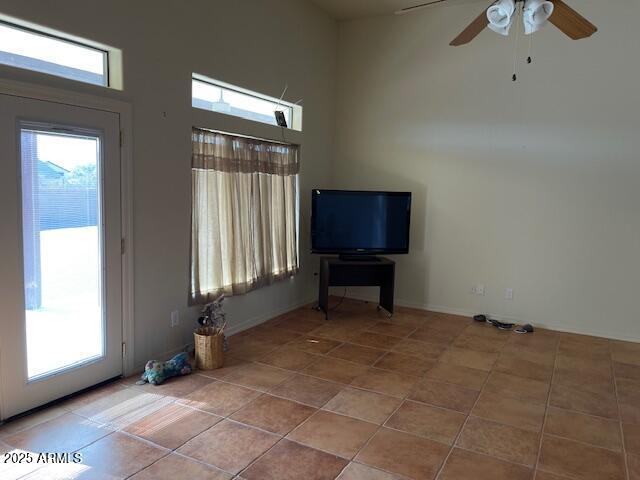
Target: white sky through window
x: 211, y: 93
x: 20, y: 42
x: 65, y: 151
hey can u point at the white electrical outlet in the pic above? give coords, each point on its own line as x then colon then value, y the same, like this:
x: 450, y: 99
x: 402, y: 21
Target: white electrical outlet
x: 508, y: 294
x: 479, y: 289
x: 175, y: 318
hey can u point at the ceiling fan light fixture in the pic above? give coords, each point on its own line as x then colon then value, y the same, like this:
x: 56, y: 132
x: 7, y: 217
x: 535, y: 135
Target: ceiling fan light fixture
x: 535, y: 14
x: 501, y: 15
x: 502, y: 30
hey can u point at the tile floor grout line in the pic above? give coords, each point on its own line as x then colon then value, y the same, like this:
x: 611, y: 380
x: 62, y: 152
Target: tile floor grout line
x: 113, y: 432
x: 340, y: 383
x: 625, y: 458
x: 382, y: 425
x: 284, y: 437
x: 619, y: 452
x: 259, y: 457
x: 222, y: 418
x: 187, y: 457
x: 464, y: 424
x: 349, y: 341
x: 419, y: 435
x: 292, y: 400
x: 399, y: 475
x: 304, y: 373
x: 252, y: 387
x: 504, y: 423
x: 298, y: 442
x: 149, y: 442
x: 417, y: 379
x: 322, y: 408
x: 402, y: 399
x: 144, y: 468
x: 44, y: 465
x: 547, y: 407
x: 177, y: 403
x: 238, y: 474
x: 318, y: 448
x: 561, y: 476
x: 269, y: 392
x: 238, y: 422
x: 493, y: 457
x: 20, y: 430
x: 437, y: 407
x: 591, y: 415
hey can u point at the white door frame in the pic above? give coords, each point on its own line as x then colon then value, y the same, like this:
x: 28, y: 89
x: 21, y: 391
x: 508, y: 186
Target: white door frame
x: 125, y: 112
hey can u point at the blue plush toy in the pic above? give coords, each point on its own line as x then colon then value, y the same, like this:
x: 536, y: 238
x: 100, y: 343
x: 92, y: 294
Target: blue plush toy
x: 156, y: 372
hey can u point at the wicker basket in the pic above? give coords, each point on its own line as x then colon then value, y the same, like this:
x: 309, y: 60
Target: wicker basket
x: 209, y: 348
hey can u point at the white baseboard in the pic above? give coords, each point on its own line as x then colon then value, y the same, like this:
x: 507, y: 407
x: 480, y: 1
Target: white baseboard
x: 549, y: 326
x: 252, y: 322
x: 257, y: 320
x: 245, y: 325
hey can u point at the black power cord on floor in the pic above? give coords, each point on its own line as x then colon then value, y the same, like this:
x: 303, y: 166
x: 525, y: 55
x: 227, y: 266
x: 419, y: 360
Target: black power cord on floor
x: 335, y: 307
x: 344, y: 295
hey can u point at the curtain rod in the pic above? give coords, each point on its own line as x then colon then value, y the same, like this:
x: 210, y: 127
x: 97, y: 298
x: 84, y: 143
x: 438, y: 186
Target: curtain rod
x: 248, y: 136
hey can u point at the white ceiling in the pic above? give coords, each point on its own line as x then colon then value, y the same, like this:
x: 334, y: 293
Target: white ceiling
x: 351, y: 9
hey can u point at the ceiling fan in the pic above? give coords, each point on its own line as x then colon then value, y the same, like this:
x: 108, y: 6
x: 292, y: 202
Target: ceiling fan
x: 535, y: 13
x: 500, y: 15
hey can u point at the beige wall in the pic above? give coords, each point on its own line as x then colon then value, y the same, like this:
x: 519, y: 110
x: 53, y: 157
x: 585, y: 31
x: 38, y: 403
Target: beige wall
x: 533, y: 186
x: 257, y: 44
x: 511, y: 188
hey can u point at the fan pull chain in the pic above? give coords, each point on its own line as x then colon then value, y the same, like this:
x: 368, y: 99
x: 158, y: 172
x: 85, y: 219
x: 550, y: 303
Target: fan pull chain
x: 515, y: 54
x: 529, y: 58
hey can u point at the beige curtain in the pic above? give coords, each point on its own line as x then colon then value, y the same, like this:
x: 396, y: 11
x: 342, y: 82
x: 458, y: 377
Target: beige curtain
x: 244, y: 231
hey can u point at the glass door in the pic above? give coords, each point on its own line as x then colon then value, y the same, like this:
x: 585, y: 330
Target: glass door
x: 64, y: 328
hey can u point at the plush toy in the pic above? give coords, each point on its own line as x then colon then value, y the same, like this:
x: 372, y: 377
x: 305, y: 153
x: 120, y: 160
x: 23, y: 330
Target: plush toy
x: 156, y: 372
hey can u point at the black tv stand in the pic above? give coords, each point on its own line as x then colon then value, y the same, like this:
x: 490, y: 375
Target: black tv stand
x: 358, y: 258
x: 341, y: 272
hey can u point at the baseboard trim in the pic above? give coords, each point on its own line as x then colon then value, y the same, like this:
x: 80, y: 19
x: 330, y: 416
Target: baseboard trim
x: 249, y: 323
x: 549, y: 326
x: 252, y: 322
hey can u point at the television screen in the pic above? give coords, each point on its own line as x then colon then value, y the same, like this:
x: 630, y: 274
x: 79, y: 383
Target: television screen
x: 353, y: 222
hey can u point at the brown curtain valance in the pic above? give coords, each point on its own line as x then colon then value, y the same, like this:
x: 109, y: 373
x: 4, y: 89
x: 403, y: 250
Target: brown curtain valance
x: 229, y: 153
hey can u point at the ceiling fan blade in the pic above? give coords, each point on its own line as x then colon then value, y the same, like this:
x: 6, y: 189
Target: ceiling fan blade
x: 472, y: 31
x: 420, y: 6
x: 571, y: 22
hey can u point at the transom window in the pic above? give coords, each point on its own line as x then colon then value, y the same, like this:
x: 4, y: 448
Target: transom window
x: 41, y: 51
x: 220, y: 97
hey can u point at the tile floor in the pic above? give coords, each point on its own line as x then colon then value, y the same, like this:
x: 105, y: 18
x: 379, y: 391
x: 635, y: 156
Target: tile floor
x: 360, y: 397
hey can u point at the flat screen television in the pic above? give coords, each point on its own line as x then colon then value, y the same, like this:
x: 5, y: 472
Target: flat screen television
x: 351, y: 223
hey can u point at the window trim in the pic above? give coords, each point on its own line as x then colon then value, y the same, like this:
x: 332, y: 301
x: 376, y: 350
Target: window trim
x: 112, y: 57
x: 296, y: 109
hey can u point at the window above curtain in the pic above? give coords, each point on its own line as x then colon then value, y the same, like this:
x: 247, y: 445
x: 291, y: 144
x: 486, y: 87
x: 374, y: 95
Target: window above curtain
x: 244, y: 223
